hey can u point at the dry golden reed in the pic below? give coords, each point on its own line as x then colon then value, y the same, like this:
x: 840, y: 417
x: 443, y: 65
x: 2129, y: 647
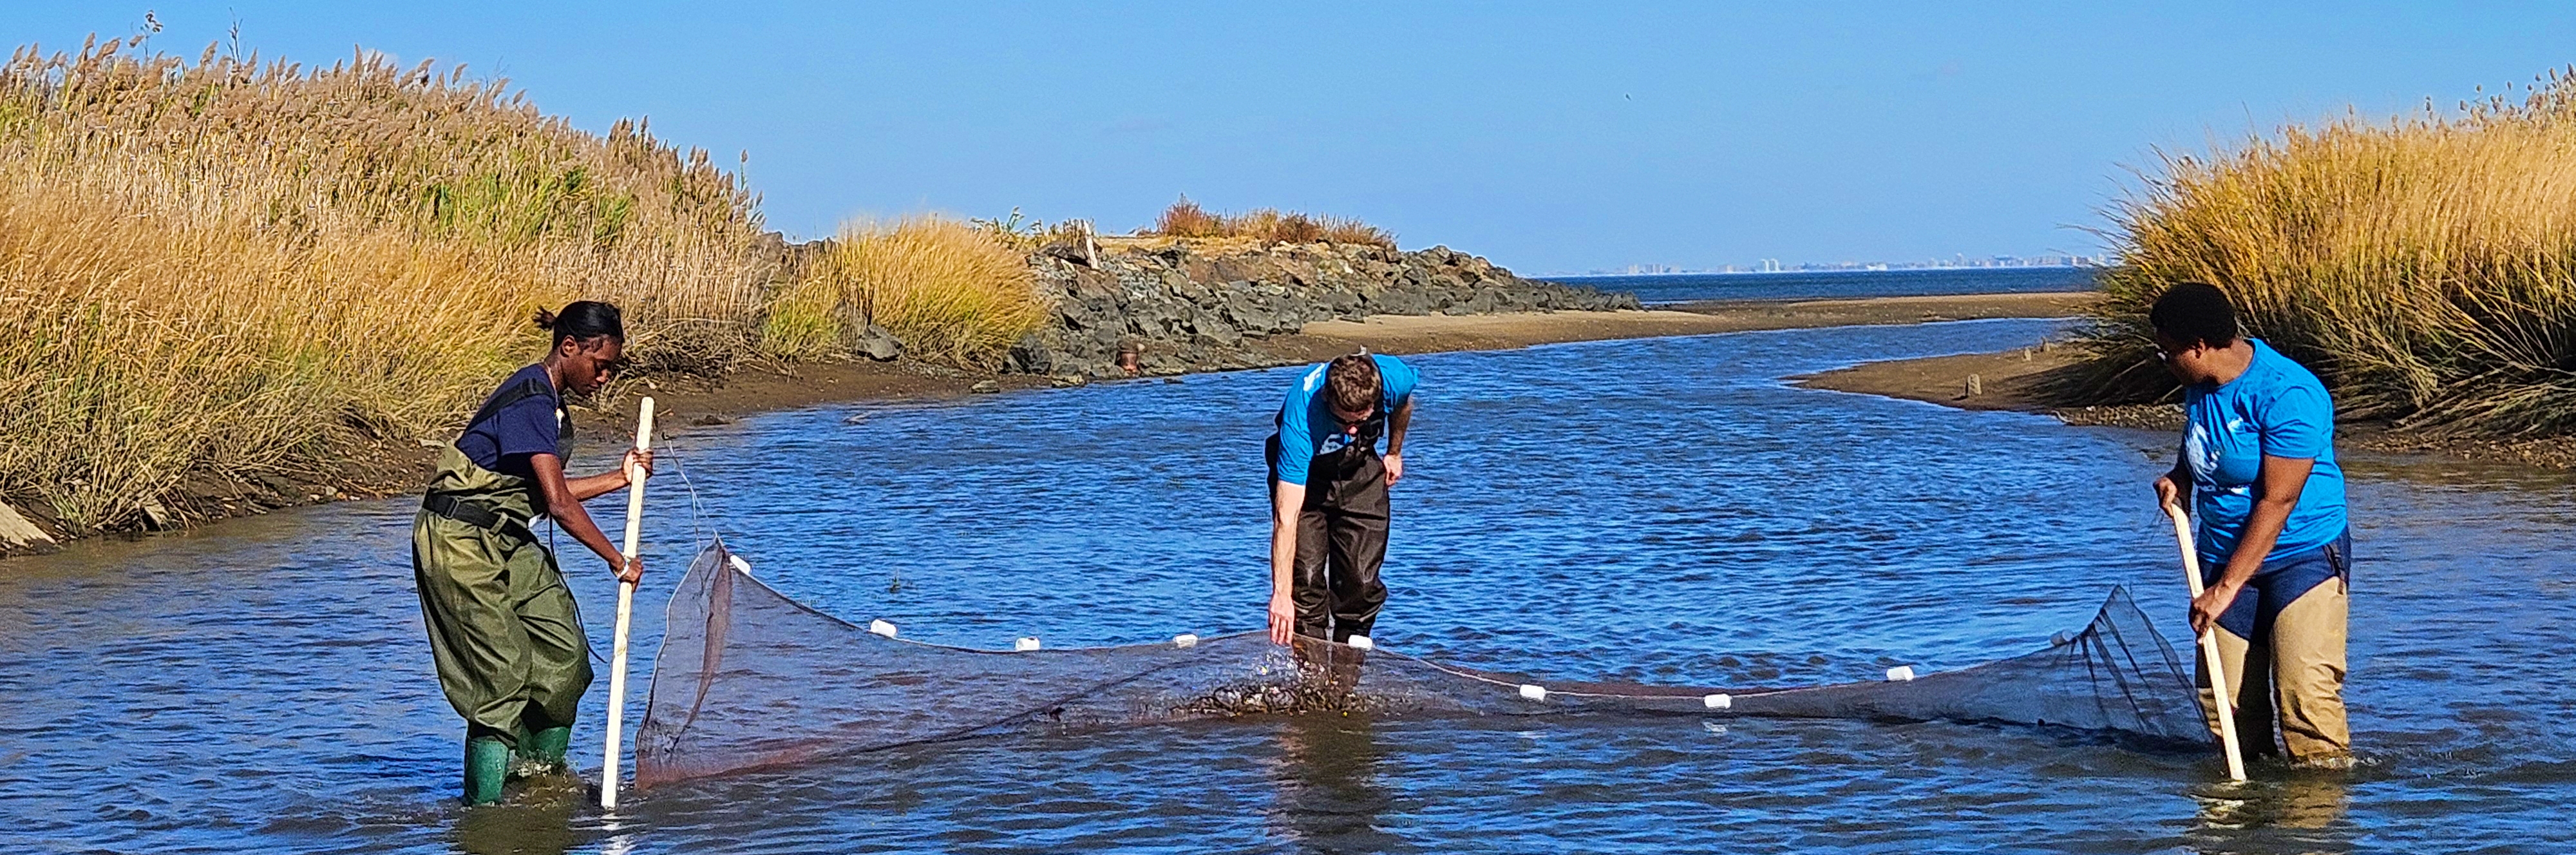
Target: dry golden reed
x: 950, y: 291
x: 223, y: 266
x: 1185, y: 219
x: 2425, y: 267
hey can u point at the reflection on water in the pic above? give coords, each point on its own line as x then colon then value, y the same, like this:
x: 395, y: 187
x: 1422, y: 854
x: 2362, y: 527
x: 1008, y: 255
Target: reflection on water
x: 1329, y: 798
x: 2299, y: 811
x: 539, y: 817
x: 1662, y: 511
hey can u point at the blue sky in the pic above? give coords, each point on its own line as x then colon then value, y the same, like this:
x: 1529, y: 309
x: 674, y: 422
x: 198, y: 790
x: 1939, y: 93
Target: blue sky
x: 1551, y: 137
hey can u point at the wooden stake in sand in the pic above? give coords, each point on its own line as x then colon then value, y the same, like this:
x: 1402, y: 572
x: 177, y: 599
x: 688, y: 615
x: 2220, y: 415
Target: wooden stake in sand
x: 2208, y: 649
x: 608, y: 767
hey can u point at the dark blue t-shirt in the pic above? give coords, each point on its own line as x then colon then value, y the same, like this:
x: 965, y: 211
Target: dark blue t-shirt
x: 532, y: 425
x: 2275, y: 409
x: 1306, y: 423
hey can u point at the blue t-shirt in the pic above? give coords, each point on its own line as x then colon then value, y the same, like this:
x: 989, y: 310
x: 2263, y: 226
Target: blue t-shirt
x: 1306, y: 424
x: 532, y: 425
x: 2278, y: 409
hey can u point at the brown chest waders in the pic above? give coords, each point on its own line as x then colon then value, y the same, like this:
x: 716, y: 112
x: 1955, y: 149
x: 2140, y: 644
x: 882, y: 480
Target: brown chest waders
x: 503, y: 629
x: 1341, y: 541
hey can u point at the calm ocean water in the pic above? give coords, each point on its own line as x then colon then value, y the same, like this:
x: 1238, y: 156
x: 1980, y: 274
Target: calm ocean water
x: 1647, y: 510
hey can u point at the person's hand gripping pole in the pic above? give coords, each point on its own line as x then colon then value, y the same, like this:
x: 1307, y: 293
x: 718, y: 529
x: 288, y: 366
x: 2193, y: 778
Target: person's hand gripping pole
x: 2209, y: 646
x: 636, y: 476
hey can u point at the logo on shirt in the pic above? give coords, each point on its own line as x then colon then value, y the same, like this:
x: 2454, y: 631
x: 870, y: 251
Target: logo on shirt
x: 2196, y: 449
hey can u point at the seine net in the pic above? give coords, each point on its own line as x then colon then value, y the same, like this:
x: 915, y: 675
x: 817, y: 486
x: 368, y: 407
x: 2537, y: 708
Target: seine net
x: 748, y: 677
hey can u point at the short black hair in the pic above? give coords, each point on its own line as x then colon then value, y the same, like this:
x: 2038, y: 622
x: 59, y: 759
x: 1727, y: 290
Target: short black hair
x: 582, y: 321
x: 2195, y: 313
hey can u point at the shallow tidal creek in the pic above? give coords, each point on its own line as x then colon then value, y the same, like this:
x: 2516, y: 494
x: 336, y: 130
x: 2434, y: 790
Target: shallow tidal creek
x: 1664, y: 510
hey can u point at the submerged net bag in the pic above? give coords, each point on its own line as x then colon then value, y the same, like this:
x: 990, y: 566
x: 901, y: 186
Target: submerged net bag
x: 748, y: 677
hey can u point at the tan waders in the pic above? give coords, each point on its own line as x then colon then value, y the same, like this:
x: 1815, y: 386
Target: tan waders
x: 506, y: 635
x: 2283, y: 645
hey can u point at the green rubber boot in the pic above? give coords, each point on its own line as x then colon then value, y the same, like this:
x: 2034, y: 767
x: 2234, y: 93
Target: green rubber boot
x: 543, y: 751
x: 487, y: 764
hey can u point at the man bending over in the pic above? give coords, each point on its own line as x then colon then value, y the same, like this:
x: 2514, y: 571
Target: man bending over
x: 1328, y: 503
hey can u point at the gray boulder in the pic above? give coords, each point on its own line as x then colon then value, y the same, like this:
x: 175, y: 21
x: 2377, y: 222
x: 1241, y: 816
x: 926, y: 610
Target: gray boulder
x: 1030, y: 356
x: 874, y: 342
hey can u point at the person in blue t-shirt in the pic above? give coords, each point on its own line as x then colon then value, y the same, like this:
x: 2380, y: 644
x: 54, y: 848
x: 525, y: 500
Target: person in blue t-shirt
x: 503, y: 629
x: 2257, y: 469
x: 1328, y: 517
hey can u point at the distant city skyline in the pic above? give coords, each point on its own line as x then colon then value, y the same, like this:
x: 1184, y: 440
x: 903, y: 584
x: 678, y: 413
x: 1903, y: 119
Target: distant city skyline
x: 1543, y: 136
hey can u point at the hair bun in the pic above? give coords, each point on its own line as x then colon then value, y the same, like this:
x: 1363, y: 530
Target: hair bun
x: 545, y: 319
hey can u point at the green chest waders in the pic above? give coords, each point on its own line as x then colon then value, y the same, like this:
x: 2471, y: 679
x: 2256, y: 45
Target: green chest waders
x: 503, y: 629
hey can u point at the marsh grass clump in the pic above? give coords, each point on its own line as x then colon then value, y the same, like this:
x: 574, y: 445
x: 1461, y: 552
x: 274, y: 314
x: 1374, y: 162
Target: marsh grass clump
x: 950, y: 291
x: 2424, y: 267
x: 1029, y: 234
x: 224, y: 267
x: 1185, y: 219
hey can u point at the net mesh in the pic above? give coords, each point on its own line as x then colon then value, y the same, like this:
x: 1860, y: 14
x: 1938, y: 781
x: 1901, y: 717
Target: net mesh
x: 748, y: 677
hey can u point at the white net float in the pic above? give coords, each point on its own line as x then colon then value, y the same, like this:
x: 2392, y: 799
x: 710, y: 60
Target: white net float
x: 1535, y: 693
x: 1361, y: 642
x: 880, y: 627
x: 1900, y: 673
x: 740, y: 565
x: 1025, y: 644
x: 1185, y: 641
x: 1717, y: 702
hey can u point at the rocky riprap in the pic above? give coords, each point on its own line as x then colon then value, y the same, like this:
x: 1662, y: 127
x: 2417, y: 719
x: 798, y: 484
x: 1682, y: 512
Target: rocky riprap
x: 1182, y: 307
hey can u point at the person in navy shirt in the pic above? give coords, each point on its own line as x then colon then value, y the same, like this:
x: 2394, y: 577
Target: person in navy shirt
x: 504, y: 632
x: 1328, y: 491
x: 2257, y: 470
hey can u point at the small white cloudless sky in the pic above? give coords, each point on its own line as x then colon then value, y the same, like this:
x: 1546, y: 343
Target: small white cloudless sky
x: 1552, y: 137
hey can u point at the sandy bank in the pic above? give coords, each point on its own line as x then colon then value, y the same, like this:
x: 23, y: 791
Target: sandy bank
x: 1437, y: 333
x: 2008, y: 380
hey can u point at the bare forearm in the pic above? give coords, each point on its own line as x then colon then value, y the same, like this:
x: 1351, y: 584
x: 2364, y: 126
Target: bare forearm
x: 574, y: 520
x: 1283, y: 534
x: 2262, y: 531
x: 1396, y: 425
x: 2276, y: 493
x: 563, y: 503
x: 1283, y: 555
x: 594, y: 486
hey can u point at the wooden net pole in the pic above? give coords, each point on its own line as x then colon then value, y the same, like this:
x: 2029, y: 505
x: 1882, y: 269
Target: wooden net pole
x: 2208, y: 649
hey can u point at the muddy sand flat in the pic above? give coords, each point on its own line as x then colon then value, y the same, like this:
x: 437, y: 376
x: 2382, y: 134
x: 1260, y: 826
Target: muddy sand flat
x: 1437, y: 333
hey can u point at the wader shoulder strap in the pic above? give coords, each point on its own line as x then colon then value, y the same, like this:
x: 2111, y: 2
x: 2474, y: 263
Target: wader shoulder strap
x: 512, y: 394
x: 1371, y: 431
x: 466, y: 506
x: 521, y: 391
